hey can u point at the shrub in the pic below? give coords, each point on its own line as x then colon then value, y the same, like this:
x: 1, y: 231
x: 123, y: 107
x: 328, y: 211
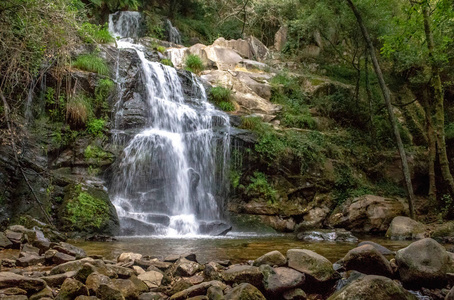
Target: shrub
x: 102, y: 91
x: 194, y: 63
x: 91, y: 63
x: 78, y: 111
x: 252, y: 123
x: 220, y: 94
x: 226, y: 106
x: 167, y: 62
x: 96, y: 127
x: 260, y: 187
x: 98, y: 33
x: 161, y: 49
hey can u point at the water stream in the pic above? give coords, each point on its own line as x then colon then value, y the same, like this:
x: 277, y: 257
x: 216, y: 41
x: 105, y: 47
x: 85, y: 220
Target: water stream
x: 171, y: 178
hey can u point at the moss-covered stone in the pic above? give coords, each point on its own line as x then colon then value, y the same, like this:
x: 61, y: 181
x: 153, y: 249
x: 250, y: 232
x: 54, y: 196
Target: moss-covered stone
x: 87, y: 209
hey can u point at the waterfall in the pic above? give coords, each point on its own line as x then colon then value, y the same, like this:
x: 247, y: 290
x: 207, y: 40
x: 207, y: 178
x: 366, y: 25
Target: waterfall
x: 170, y: 178
x: 173, y: 35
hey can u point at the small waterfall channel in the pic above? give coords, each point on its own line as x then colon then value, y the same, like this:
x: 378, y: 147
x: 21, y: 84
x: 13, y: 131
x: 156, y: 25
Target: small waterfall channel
x: 171, y: 178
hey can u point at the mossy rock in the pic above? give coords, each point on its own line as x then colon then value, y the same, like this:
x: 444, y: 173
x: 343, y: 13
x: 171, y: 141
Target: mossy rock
x: 88, y: 210
x: 444, y: 232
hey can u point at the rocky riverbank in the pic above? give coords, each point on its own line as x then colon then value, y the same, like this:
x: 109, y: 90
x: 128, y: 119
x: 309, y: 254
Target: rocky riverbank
x: 45, y: 269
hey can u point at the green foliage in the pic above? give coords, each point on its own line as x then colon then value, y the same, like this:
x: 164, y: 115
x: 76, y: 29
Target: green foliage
x: 194, y: 63
x: 96, y: 153
x: 235, y: 177
x: 167, y: 62
x: 55, y: 105
x: 91, y: 63
x: 447, y: 206
x: 260, y: 188
x: 95, y: 127
x: 347, y: 185
x: 102, y: 92
x: 223, y: 98
x: 226, y: 106
x: 161, y: 49
x: 78, y: 111
x: 95, y: 33
x: 85, y: 211
x: 253, y: 124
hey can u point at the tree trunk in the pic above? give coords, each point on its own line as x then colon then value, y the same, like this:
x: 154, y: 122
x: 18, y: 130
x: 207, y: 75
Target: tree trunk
x: 387, y: 98
x: 432, y: 146
x: 439, y: 115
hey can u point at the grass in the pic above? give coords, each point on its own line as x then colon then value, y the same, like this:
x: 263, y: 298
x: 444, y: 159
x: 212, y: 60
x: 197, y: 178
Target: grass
x: 78, y: 111
x: 98, y: 33
x: 194, y: 63
x: 226, y: 106
x: 91, y: 63
x: 223, y: 98
x: 167, y: 62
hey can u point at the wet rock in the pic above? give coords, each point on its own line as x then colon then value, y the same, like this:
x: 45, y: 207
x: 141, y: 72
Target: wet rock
x: 70, y: 289
x: 196, y: 290
x: 95, y: 280
x: 186, y: 267
x: 244, y: 291
x: 8, y: 279
x: 215, y: 293
x: 404, y: 228
x: 282, y: 279
x: 127, y: 288
x: 105, y: 292
x: 312, y: 264
x: 380, y: 248
x: 295, y: 294
x: 215, y: 228
x: 337, y: 235
x: 5, y: 243
x: 372, y: 287
x: 44, y: 293
x: 273, y: 258
x: 423, y: 263
x: 366, y: 214
x: 67, y: 267
x: 29, y: 259
x: 242, y: 273
x: 58, y: 279
x: 368, y: 260
x: 71, y: 250
x: 152, y: 279
x: 61, y: 258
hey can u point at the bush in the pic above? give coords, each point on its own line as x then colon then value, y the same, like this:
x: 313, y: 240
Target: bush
x: 78, y: 111
x: 91, y: 63
x: 161, y: 49
x: 226, y: 106
x: 96, y: 127
x: 220, y: 94
x: 194, y: 63
x: 167, y: 62
x: 260, y: 188
x: 95, y: 33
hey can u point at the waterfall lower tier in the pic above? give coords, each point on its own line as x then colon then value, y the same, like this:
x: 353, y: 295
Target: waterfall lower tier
x: 171, y: 177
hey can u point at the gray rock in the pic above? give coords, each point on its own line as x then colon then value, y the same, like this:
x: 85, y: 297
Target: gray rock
x: 122, y: 272
x: 282, y: 279
x: 15, y: 237
x: 336, y: 235
x: 380, y: 248
x: 152, y: 279
x: 85, y: 271
x: 67, y: 267
x: 12, y: 291
x: 404, y: 228
x: 30, y: 249
x: 44, y: 293
x: 29, y: 259
x: 152, y: 296
x: 197, y: 290
x: 215, y: 293
x: 108, y: 292
x: 127, y: 288
x: 372, y: 287
x: 312, y: 264
x: 186, y: 267
x: 273, y: 258
x: 95, y: 280
x: 61, y: 258
x: 243, y: 273
x: 368, y: 260
x: 8, y: 279
x: 4, y: 241
x: 70, y: 289
x: 295, y: 294
x: 58, y: 279
x: 69, y: 249
x: 423, y: 263
x: 244, y: 291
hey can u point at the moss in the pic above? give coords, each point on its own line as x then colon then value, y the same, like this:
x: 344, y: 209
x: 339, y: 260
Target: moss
x: 97, y: 156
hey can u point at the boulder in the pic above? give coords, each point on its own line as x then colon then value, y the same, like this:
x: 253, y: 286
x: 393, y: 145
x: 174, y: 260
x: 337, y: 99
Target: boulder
x: 69, y: 249
x: 58, y: 279
x: 295, y: 294
x: 224, y: 58
x: 44, y: 293
x: 423, y: 263
x: 30, y: 249
x: 129, y: 256
x: 368, y: 260
x: 152, y: 279
x: 243, y: 273
x: 372, y: 287
x: 280, y: 38
x: 61, y: 258
x: 241, y: 46
x: 29, y: 259
x: 197, y: 290
x: 282, y: 279
x: 12, y: 291
x: 127, y: 288
x: 310, y: 263
x: 15, y: 237
x: 380, y: 248
x: 67, y: 267
x: 368, y: 214
x: 4, y: 241
x: 8, y: 279
x: 71, y: 288
x: 259, y: 51
x: 404, y: 228
x: 214, y: 228
x: 186, y: 267
x: 109, y: 292
x: 244, y: 291
x: 444, y: 232
x: 95, y: 280
x: 273, y: 258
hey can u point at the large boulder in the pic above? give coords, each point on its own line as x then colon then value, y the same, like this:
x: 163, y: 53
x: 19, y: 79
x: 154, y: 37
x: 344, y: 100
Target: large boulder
x: 280, y: 38
x: 71, y: 288
x: 444, y: 232
x: 282, y: 279
x: 404, y: 228
x: 372, y: 287
x: 273, y: 258
x: 368, y: 260
x: 243, y: 273
x: 8, y: 279
x: 244, y: 291
x: 196, y: 290
x: 152, y: 279
x: 368, y: 214
x: 423, y: 263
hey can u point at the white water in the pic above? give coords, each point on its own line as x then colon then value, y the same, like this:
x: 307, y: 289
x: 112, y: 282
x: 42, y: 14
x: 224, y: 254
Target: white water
x: 171, y: 177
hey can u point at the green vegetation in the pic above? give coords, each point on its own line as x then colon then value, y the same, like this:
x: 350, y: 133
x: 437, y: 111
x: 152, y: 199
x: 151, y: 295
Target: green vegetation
x: 102, y: 92
x: 91, y: 63
x: 96, y: 127
x: 260, y: 188
x: 226, y: 106
x: 78, y: 111
x: 161, y: 49
x: 95, y: 33
x: 194, y: 63
x: 167, y: 62
x: 222, y: 97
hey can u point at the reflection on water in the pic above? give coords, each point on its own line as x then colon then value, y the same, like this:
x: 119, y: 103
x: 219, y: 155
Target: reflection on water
x: 235, y: 246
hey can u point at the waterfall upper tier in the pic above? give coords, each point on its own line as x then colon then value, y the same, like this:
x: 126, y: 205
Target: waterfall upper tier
x: 171, y: 177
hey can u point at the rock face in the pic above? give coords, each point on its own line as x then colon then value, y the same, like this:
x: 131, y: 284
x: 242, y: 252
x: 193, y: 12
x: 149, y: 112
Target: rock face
x: 369, y: 214
x: 368, y: 260
x: 404, y: 228
x: 373, y: 287
x: 423, y: 263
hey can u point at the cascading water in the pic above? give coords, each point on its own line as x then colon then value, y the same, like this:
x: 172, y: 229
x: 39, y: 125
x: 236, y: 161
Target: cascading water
x: 171, y: 176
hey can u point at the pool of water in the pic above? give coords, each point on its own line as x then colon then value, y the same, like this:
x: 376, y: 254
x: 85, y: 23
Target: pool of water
x: 237, y: 247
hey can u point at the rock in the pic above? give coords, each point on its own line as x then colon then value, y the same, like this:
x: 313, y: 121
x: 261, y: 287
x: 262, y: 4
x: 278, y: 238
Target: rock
x: 5, y: 243
x: 336, y: 235
x: 280, y: 38
x: 58, y: 279
x: 67, y: 267
x: 241, y: 46
x: 273, y: 258
x: 312, y: 264
x: 95, y: 280
x: 423, y: 263
x: 139, y: 284
x: 85, y: 271
x: 15, y: 237
x: 86, y: 298
x: 450, y: 295
x: 224, y: 58
x: 368, y: 260
x: 368, y: 214
x: 244, y: 291
x: 15, y: 297
x: 380, y: 248
x: 122, y: 272
x: 197, y: 290
x: 295, y: 294
x: 8, y: 279
x: 12, y: 291
x: 61, y: 258
x: 152, y: 279
x: 404, y: 228
x: 70, y: 289
x: 108, y: 292
x: 242, y: 273
x: 152, y: 296
x: 372, y: 287
x: 215, y: 293
x: 127, y: 288
x: 45, y: 292
x: 186, y: 267
x: 129, y: 256
x: 444, y: 232
x: 259, y: 51
x: 29, y: 259
x: 8, y: 263
x: 138, y: 270
x: 71, y: 250
x: 215, y: 228
x: 282, y: 279
x: 30, y: 249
